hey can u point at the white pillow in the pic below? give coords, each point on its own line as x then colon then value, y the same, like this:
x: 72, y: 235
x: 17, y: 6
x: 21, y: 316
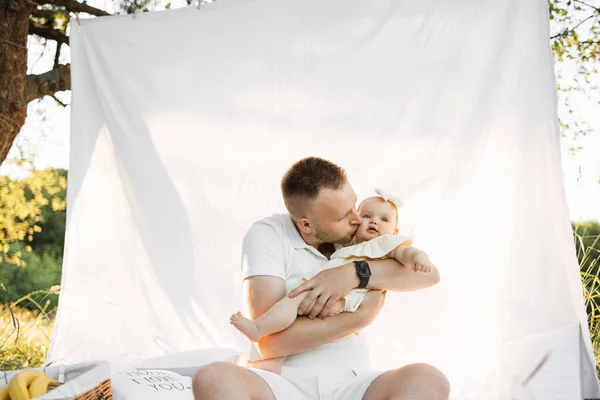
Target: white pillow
x: 151, y: 385
x: 188, y: 362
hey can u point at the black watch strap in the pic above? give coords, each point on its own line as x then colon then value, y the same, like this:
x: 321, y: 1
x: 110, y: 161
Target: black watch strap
x: 363, y: 271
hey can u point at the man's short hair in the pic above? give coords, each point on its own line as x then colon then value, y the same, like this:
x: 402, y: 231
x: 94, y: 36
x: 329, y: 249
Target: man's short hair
x: 304, y: 180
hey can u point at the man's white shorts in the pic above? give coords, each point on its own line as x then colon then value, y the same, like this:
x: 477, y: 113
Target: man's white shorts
x: 297, y: 383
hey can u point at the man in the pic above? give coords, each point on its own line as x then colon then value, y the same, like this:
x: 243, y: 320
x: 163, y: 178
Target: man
x: 325, y: 359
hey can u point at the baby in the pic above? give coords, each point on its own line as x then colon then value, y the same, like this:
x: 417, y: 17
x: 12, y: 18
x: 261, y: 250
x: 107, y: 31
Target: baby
x: 376, y: 238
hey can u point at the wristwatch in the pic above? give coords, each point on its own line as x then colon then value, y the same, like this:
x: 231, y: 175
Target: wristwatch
x: 364, y: 273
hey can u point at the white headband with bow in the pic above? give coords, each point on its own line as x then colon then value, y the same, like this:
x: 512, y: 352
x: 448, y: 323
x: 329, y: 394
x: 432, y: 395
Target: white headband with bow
x: 397, y: 201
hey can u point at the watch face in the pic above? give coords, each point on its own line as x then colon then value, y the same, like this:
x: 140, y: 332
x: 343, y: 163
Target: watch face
x: 363, y: 269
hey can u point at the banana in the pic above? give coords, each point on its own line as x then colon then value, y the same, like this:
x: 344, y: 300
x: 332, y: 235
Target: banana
x: 17, y: 388
x: 4, y: 393
x: 40, y: 386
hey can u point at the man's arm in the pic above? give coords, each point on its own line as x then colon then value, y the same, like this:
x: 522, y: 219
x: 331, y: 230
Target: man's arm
x: 262, y: 292
x: 332, y: 284
x: 395, y: 277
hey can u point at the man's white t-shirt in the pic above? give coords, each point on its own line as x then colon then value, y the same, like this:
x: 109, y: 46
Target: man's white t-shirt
x: 273, y: 247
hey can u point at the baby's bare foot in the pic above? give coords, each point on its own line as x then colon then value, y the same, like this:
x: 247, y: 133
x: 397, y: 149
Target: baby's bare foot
x: 246, y: 326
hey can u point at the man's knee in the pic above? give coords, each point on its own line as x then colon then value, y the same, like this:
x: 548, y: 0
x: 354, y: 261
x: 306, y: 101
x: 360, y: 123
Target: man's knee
x: 225, y: 381
x: 213, y: 375
x: 428, y: 380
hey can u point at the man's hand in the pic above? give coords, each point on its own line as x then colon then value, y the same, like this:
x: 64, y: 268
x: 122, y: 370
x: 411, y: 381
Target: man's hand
x: 326, y: 289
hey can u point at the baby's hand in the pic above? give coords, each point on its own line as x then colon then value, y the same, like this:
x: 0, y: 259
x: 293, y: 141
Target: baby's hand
x: 422, y: 263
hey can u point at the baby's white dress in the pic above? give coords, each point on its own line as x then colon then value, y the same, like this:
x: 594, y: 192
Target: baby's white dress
x: 374, y: 249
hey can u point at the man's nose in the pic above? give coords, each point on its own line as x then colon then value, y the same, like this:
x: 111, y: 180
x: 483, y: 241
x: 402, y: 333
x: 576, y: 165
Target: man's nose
x: 355, y: 218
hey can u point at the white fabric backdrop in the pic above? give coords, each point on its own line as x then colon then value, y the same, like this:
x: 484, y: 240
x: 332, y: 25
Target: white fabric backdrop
x: 184, y: 121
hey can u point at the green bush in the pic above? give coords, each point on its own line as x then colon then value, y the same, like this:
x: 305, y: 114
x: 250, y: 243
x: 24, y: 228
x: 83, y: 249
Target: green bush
x: 32, y: 231
x: 25, y: 206
x: 42, y: 271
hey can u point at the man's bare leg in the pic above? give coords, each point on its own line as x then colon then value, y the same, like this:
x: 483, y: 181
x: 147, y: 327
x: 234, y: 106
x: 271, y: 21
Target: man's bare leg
x: 225, y: 381
x: 412, y: 382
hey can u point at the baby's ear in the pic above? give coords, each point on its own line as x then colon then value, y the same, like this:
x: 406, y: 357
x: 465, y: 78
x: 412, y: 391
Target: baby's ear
x: 396, y: 231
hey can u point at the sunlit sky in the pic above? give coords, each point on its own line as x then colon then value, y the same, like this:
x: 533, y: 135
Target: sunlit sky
x: 46, y: 135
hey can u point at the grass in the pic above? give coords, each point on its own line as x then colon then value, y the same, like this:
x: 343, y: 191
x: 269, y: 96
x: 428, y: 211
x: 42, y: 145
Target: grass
x: 25, y: 334
x: 589, y: 260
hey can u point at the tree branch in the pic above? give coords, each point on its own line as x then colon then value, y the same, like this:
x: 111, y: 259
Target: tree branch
x: 588, y: 5
x: 58, y: 101
x: 75, y: 6
x: 48, y: 14
x: 57, y: 54
x: 48, y: 33
x: 48, y: 83
x: 566, y: 31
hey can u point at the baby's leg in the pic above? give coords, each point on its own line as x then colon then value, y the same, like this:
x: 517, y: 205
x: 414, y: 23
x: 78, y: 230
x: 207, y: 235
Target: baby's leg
x: 277, y: 318
x: 338, y: 307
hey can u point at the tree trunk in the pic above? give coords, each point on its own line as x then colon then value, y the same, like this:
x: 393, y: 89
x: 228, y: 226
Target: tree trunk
x: 14, y: 26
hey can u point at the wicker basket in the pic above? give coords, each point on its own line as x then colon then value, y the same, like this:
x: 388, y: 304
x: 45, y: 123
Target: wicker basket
x: 103, y: 391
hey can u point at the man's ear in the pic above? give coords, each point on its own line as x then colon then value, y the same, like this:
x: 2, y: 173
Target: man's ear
x: 305, y: 226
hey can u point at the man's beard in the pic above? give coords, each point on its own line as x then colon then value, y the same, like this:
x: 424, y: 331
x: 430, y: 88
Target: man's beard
x: 325, y: 238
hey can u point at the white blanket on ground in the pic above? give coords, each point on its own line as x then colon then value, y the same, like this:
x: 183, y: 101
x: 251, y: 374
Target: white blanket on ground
x: 184, y: 121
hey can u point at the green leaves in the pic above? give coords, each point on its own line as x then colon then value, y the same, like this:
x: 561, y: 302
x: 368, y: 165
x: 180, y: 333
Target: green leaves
x: 575, y: 44
x: 32, y: 230
x: 24, y: 205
